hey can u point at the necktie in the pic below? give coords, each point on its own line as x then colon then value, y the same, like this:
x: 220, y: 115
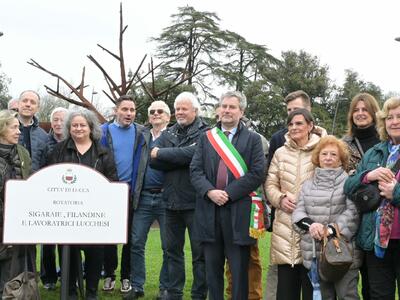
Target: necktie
x: 222, y: 174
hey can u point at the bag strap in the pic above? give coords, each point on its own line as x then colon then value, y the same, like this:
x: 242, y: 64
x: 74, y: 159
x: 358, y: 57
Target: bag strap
x: 335, y: 225
x: 325, y: 237
x: 358, y: 144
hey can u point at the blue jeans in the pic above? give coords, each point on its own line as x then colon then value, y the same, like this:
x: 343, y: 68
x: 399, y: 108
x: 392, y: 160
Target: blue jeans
x: 151, y: 207
x: 176, y: 223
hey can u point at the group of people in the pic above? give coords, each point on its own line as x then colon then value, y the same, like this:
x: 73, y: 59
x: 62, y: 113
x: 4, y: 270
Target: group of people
x: 207, y: 181
x: 311, y: 182
x: 120, y: 150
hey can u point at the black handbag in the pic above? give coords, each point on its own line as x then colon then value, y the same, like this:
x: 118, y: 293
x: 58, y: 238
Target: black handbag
x: 336, y: 256
x: 367, y: 196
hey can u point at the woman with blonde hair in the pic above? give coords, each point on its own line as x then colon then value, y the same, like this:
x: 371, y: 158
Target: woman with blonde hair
x: 321, y: 204
x: 15, y: 163
x: 289, y: 168
x: 379, y: 233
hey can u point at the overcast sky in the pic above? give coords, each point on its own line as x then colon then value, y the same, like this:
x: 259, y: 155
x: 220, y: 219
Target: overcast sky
x: 344, y: 34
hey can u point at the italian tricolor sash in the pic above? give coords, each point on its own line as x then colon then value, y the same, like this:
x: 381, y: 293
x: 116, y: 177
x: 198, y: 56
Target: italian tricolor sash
x: 235, y: 163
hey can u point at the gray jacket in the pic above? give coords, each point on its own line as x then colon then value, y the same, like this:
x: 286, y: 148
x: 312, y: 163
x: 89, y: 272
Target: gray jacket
x: 322, y: 199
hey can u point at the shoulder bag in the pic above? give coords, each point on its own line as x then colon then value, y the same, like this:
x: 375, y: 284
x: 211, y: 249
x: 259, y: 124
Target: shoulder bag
x: 367, y: 196
x: 25, y: 285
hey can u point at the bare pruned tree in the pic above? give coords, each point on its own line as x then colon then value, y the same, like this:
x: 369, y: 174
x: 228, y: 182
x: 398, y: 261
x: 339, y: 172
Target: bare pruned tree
x: 115, y: 90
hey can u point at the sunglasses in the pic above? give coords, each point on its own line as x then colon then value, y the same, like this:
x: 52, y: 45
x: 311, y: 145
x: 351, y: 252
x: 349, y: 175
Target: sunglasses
x: 159, y: 111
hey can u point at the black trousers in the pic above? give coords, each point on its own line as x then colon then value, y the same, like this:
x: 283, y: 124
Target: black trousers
x: 93, y: 262
x: 237, y: 255
x: 111, y: 255
x: 364, y: 279
x: 48, y: 269
x: 384, y: 273
x: 293, y: 281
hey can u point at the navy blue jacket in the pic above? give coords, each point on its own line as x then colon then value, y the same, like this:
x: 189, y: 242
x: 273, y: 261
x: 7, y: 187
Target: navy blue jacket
x: 174, y: 157
x: 277, y: 141
x: 204, y: 169
x: 39, y: 144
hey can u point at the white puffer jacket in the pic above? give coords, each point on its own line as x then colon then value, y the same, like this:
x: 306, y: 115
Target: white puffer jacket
x: 290, y: 167
x: 322, y: 199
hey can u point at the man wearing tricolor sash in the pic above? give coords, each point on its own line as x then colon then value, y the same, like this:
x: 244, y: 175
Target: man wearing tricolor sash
x: 227, y: 168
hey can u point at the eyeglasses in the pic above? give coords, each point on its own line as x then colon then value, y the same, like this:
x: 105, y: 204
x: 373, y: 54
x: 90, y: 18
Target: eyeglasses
x: 159, y: 111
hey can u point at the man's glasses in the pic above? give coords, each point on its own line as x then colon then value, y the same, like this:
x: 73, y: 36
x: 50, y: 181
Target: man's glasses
x: 159, y: 111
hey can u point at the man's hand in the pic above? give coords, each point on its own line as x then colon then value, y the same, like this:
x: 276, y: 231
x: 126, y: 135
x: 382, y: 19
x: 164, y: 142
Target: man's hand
x: 154, y: 151
x: 219, y: 197
x: 287, y: 204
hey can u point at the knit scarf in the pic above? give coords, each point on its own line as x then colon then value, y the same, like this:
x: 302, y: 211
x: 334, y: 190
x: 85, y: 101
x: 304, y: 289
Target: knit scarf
x: 13, y: 162
x: 385, y: 212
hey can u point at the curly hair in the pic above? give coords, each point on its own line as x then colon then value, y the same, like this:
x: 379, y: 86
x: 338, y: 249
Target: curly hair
x: 331, y: 140
x: 391, y: 103
x: 91, y: 119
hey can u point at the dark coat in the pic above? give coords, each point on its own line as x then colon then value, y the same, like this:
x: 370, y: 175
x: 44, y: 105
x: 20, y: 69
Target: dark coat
x: 174, y: 157
x: 277, y: 140
x: 204, y: 169
x: 103, y: 161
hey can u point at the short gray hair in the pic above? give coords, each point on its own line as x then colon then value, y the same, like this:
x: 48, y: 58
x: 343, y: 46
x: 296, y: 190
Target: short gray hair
x: 161, y: 103
x: 91, y: 119
x: 238, y: 95
x: 30, y: 91
x: 11, y: 102
x: 56, y: 110
x: 187, y: 96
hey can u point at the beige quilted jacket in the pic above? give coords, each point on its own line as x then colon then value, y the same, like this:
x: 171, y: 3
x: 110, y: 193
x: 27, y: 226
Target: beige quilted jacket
x: 290, y: 167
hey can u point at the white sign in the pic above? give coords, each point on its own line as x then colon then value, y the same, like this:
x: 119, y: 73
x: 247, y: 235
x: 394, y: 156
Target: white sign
x: 65, y: 204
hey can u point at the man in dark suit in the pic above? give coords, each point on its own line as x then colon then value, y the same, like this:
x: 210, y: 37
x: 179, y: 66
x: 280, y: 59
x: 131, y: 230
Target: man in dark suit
x: 223, y: 203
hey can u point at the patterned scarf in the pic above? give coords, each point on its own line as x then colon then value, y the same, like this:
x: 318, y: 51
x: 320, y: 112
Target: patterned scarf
x: 385, y: 212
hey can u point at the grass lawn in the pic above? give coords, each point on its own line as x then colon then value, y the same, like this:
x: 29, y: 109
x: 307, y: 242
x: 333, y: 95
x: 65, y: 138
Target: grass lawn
x: 153, y: 265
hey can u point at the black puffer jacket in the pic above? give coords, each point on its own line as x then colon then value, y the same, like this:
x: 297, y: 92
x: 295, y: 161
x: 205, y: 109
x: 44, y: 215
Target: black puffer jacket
x: 102, y: 159
x: 174, y: 156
